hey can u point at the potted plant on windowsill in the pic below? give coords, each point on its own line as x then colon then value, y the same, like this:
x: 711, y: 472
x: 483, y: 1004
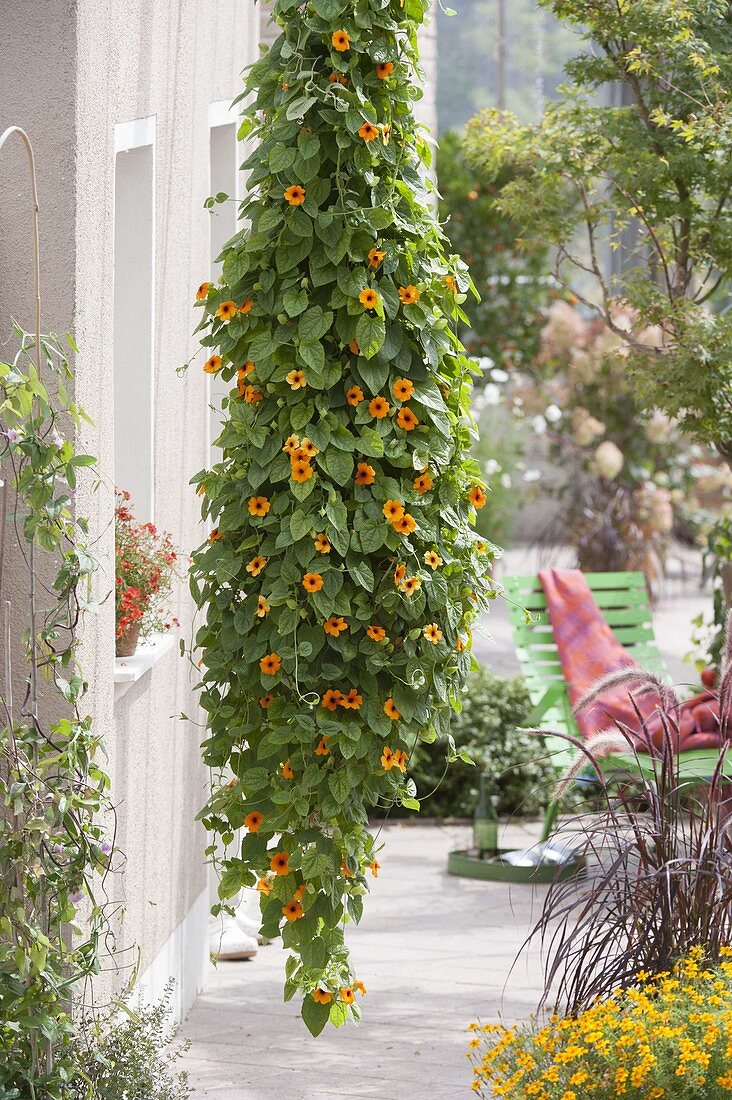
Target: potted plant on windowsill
x: 145, y: 565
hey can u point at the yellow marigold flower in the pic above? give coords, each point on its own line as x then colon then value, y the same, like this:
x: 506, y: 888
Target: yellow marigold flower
x: 335, y: 625
x: 340, y: 41
x: 312, y: 582
x: 202, y: 291
x: 279, y: 863
x: 253, y: 821
x: 322, y: 747
x: 226, y: 311
x: 368, y: 132
x: 405, y: 524
x: 271, y: 664
x: 322, y: 545
x: 293, y: 910
x: 354, y: 396
x: 301, y: 470
x: 322, y: 996
x: 393, y: 509
x: 292, y: 444
x: 384, y: 69
x: 477, y: 497
x: 402, y: 389
x: 368, y: 298
x: 376, y: 633
x: 433, y: 633
x: 256, y: 565
x: 258, y: 506
x: 433, y: 559
x: 295, y: 194
x: 408, y: 295
x: 406, y: 419
x: 379, y: 407
x: 264, y: 885
x: 212, y: 365
x: 365, y: 474
x: 375, y: 257
x: 263, y: 607
x: 390, y: 710
x: 423, y: 483
x: 296, y: 380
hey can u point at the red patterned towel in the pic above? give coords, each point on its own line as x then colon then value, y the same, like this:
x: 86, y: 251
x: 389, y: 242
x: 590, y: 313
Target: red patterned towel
x: 588, y: 650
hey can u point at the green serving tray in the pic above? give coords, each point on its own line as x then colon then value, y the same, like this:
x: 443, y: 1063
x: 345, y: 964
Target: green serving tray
x: 464, y: 862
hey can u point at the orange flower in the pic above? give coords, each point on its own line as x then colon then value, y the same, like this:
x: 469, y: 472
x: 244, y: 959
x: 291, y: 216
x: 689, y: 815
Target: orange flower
x: 295, y: 194
x: 296, y: 380
x: 293, y: 910
x: 375, y: 257
x: 451, y: 283
x: 287, y: 772
x: 246, y: 306
x: 340, y: 41
x: 279, y: 863
x: 400, y: 760
x: 301, y: 470
x: 411, y: 585
x: 375, y: 867
x: 212, y: 365
x: 368, y: 298
x: 263, y: 607
x: 433, y: 633
x: 226, y: 311
x: 345, y: 869
x: 322, y: 996
x: 384, y: 69
x: 352, y: 701
x: 387, y: 759
x: 402, y: 389
x: 360, y: 987
x: 338, y: 78
x: 423, y: 483
x: 321, y: 544
x: 433, y: 559
x: 334, y: 625
x: 353, y: 347
x: 408, y: 295
x: 379, y: 407
x: 258, y: 506
x: 247, y: 368
x: 312, y: 582
x: 331, y: 699
x: 252, y: 395
x: 202, y: 291
x: 241, y: 384
x: 376, y: 633
x: 400, y: 573
x: 365, y: 474
x: 266, y: 700
x: 292, y: 444
x: 300, y: 892
x: 271, y: 664
x: 215, y: 535
x: 406, y: 419
x: 477, y: 497
x: 354, y: 396
x: 322, y: 748
x: 390, y: 710
x: 264, y: 886
x: 460, y: 645
x: 256, y: 565
x: 405, y: 524
x: 307, y: 448
x: 368, y: 132
x: 393, y: 509
x: 253, y: 821
x: 347, y: 995
x: 385, y: 134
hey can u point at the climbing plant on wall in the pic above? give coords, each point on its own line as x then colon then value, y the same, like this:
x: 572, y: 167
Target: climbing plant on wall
x: 342, y: 573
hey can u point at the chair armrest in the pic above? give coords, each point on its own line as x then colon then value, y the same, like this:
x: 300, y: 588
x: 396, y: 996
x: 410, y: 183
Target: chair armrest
x: 552, y: 695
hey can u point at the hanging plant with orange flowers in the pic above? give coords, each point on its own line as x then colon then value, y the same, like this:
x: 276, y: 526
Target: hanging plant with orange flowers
x: 342, y: 572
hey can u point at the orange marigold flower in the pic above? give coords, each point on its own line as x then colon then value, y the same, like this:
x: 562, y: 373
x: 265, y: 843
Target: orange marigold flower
x: 258, y: 506
x: 296, y: 380
x: 433, y: 559
x: 322, y: 996
x: 411, y: 585
x: 295, y: 194
x: 451, y: 283
x: 384, y: 69
x: 263, y: 607
x: 226, y: 311
x: 215, y: 535
x: 338, y: 78
x: 376, y: 256
x: 340, y: 41
x: 266, y: 700
x: 433, y: 633
x: 212, y: 365
x: 287, y: 772
x: 246, y: 306
x: 402, y: 389
x: 264, y: 885
x: 375, y: 867
x: 367, y: 131
x: 379, y: 407
x: 322, y: 545
x: 271, y: 664
x: 253, y: 821
x: 365, y: 474
x: 393, y: 509
x: 360, y: 987
x: 477, y: 497
x: 408, y: 295
x: 331, y: 699
x: 354, y: 396
x: 334, y: 625
x: 202, y: 291
x: 292, y: 444
x: 312, y: 582
x: 405, y: 524
x: 353, y: 347
x: 368, y: 298
x: 390, y: 710
x: 406, y: 419
x: 376, y: 633
x: 252, y: 395
x: 400, y: 573
x: 423, y: 483
x: 352, y: 701
x: 322, y: 747
x: 347, y: 995
x: 256, y: 565
x: 279, y: 863
x: 293, y: 910
x: 301, y: 470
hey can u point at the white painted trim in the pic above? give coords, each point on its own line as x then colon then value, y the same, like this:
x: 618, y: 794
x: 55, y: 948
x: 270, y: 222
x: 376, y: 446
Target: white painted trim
x: 128, y: 670
x: 185, y: 957
x: 222, y: 113
x: 134, y: 134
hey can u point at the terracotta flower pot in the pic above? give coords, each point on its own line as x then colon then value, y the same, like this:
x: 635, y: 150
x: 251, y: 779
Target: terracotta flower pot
x: 127, y: 644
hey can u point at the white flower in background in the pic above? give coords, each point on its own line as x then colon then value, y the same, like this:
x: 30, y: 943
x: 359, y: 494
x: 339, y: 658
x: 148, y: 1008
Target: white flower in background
x: 492, y: 394
x: 552, y: 414
x: 608, y: 461
x: 532, y: 475
x: 564, y: 330
x: 57, y: 440
x: 539, y: 424
x: 656, y: 508
x: 586, y: 427
x: 491, y: 466
x: 658, y: 428
x: 485, y: 363
x: 506, y: 481
x: 499, y: 375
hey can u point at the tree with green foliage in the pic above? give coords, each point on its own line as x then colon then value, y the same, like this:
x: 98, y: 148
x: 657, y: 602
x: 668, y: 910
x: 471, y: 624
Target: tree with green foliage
x: 636, y: 198
x: 343, y: 572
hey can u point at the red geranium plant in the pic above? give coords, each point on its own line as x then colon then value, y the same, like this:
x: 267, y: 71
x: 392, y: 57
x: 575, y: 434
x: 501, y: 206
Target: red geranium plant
x: 146, y: 563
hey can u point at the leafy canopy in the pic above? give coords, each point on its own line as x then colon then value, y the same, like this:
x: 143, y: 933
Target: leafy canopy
x: 342, y: 576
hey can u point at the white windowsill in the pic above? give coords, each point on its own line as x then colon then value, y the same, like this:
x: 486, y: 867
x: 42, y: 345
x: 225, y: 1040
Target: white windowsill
x: 128, y: 670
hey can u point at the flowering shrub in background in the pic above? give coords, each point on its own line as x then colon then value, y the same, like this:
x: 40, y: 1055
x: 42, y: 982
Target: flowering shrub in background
x: 667, y: 1036
x: 146, y: 564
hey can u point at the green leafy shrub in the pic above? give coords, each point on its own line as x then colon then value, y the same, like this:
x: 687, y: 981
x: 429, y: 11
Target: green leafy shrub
x: 340, y: 581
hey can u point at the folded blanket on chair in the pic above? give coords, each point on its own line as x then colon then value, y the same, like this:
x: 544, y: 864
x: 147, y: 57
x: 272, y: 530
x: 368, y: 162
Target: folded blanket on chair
x: 588, y: 650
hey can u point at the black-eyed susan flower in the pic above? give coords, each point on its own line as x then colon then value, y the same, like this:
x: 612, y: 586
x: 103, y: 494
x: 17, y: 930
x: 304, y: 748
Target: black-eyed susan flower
x: 226, y: 311
x: 301, y: 470
x: 266, y: 701
x: 202, y: 291
x: 293, y: 910
x: 295, y: 194
x: 296, y: 380
x: 345, y: 869
x: 408, y: 295
x: 252, y: 395
x: 406, y: 419
x: 263, y: 607
x: 287, y: 772
x: 213, y: 365
x: 423, y: 483
x: 411, y: 585
x: 258, y: 506
x: 338, y: 78
x: 390, y: 710
x: 374, y: 867
x: 368, y: 298
x: 367, y: 131
x: 384, y: 69
x: 335, y: 625
x: 340, y: 41
x: 291, y: 445
x: 379, y: 407
x: 376, y: 256
x: 360, y: 988
x: 405, y: 524
x: 247, y: 369
x: 376, y: 633
x: 264, y: 885
x: 387, y: 756
x: 353, y: 347
x: 322, y: 996
x: 433, y: 559
x: 280, y: 864
x: 322, y: 544
x: 312, y: 582
x: 347, y: 995
x: 365, y: 474
x: 354, y: 396
x: 451, y: 283
x: 322, y: 747
x: 215, y: 535
x: 400, y: 759
x: 477, y: 497
x: 402, y: 389
x: 256, y: 565
x: 331, y: 699
x: 307, y: 448
x: 300, y: 892
x: 351, y: 700
x: 393, y: 509
x: 253, y: 821
x: 247, y: 305
x: 400, y: 572
x: 271, y: 664
x: 432, y: 633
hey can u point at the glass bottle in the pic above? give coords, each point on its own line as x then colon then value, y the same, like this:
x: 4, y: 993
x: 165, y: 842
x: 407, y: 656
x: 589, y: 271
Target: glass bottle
x: 485, y: 820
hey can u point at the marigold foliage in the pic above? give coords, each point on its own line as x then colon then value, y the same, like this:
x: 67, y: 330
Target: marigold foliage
x: 335, y: 294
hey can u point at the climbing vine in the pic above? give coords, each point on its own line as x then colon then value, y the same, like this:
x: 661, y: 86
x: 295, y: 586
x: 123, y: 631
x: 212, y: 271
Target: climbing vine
x: 342, y: 572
